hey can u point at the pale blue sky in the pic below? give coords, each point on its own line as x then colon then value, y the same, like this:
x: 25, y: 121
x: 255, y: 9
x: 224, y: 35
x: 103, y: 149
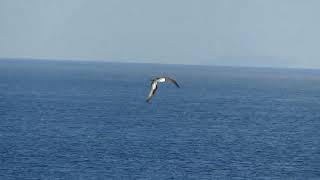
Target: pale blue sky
x: 277, y: 33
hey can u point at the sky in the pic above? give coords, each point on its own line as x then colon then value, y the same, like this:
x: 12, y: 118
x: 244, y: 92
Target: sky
x: 273, y: 33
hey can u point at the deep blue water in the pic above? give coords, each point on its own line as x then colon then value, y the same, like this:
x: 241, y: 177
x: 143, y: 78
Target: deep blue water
x: 89, y: 120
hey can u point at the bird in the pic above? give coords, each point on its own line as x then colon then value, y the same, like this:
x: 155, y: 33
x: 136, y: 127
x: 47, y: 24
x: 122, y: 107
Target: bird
x: 154, y: 85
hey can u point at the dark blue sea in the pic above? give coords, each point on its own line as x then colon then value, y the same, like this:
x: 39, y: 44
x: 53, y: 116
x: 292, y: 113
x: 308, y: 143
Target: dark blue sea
x: 89, y: 120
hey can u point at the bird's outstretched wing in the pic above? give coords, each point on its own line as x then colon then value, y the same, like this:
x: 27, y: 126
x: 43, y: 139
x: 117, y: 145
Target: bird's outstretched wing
x: 173, y: 81
x: 153, y: 90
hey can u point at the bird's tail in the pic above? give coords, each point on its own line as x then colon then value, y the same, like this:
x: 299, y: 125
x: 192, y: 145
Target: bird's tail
x: 148, y: 100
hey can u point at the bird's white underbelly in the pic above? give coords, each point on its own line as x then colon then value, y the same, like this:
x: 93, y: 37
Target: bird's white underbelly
x: 154, y: 85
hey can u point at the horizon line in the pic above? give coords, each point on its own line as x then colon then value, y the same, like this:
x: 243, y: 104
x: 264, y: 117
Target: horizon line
x: 154, y: 63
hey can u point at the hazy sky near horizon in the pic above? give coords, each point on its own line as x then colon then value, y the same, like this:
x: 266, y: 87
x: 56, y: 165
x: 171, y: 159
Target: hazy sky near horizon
x: 277, y: 33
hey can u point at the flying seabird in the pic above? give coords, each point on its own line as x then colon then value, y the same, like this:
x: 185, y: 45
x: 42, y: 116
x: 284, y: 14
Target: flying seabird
x: 154, y: 85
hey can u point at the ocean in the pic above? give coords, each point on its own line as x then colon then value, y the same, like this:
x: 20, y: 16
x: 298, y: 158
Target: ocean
x: 90, y: 120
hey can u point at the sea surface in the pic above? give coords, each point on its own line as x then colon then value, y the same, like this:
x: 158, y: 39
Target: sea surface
x: 89, y: 120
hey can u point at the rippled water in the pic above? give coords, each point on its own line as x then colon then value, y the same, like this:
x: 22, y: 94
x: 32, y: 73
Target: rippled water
x: 88, y: 120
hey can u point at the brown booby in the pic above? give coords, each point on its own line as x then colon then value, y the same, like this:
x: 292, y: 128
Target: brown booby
x: 154, y: 85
